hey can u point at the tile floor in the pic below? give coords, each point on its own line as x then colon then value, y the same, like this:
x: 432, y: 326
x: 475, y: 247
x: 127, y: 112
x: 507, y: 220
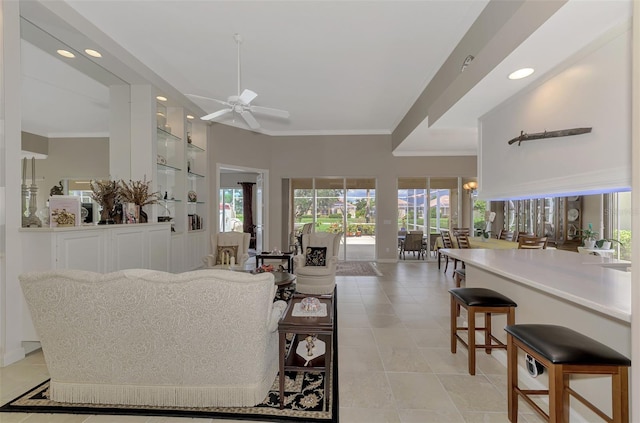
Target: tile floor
x: 394, y: 358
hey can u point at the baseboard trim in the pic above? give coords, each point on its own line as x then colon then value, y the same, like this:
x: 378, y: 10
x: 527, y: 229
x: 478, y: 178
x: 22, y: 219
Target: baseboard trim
x: 12, y: 356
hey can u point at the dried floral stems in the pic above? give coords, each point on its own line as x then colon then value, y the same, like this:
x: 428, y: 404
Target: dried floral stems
x: 105, y: 193
x: 138, y: 192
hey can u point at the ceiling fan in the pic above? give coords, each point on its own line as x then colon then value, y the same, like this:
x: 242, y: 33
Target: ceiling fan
x: 241, y: 103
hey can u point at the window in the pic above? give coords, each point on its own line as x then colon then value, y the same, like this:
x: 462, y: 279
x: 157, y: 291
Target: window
x: 617, y: 223
x: 231, y: 214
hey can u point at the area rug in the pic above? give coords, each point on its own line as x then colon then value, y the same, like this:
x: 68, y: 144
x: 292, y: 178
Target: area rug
x: 304, y: 401
x: 357, y: 268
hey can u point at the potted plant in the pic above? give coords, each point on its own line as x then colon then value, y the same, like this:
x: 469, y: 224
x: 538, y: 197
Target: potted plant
x: 605, y: 243
x: 588, y: 236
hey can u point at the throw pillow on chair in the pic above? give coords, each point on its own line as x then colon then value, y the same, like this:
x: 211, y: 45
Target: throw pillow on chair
x: 231, y: 250
x: 316, y: 256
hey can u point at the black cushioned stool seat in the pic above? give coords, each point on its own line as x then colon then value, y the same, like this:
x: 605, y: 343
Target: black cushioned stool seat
x: 478, y: 300
x: 563, y: 351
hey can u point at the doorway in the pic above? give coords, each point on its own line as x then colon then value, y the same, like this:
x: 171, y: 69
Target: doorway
x: 233, y: 184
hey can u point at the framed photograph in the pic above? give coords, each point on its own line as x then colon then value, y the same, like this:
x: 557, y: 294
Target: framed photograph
x: 64, y: 210
x: 131, y: 213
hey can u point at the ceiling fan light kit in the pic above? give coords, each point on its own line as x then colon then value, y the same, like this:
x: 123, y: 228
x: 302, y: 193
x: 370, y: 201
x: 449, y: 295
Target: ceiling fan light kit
x: 241, y: 103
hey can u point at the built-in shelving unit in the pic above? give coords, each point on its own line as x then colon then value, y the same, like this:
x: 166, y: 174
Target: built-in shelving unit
x: 183, y: 183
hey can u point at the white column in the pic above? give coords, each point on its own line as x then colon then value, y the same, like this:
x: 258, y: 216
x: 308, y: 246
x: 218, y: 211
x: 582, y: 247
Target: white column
x: 119, y: 132
x: 11, y: 300
x: 635, y: 220
x: 143, y: 148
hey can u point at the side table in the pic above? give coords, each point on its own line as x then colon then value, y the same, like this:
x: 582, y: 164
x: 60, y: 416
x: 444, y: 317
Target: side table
x: 288, y: 256
x: 306, y: 325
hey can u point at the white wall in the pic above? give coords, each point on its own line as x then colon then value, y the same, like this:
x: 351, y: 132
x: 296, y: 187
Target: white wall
x: 331, y: 156
x: 591, y: 91
x: 230, y: 180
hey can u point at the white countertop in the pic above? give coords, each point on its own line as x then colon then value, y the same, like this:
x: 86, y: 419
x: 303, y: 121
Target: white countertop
x: 591, y: 281
x: 92, y: 226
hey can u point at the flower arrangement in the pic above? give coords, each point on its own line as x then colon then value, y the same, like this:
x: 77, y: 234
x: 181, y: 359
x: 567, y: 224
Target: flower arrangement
x: 106, y: 194
x: 138, y: 192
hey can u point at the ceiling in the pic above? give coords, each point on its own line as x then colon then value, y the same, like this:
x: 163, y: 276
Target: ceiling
x: 338, y: 67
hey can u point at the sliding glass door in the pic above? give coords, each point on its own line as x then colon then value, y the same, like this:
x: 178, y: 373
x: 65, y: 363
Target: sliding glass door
x: 338, y: 205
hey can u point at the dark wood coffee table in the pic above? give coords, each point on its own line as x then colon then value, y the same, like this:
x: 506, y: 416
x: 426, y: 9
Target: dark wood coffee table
x: 287, y: 255
x: 305, y: 325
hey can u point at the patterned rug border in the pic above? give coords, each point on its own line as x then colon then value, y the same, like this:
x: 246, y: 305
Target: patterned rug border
x: 233, y: 413
x: 364, y: 268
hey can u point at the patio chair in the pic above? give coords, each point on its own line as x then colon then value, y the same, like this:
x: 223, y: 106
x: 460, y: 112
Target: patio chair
x: 413, y: 243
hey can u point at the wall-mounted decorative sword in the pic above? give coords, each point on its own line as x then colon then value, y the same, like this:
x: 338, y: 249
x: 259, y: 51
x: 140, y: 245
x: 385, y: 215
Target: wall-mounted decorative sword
x: 549, y: 134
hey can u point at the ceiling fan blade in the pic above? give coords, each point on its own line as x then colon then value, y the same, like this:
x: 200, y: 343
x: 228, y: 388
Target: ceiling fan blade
x: 247, y: 97
x: 217, y: 114
x: 251, y: 121
x: 270, y: 111
x: 199, y: 97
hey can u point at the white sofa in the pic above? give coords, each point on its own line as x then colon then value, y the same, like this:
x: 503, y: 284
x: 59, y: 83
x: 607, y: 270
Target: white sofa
x: 143, y: 337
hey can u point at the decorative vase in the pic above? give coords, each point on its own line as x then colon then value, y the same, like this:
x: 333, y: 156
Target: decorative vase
x: 606, y: 245
x: 589, y: 243
x: 144, y: 218
x: 105, y: 217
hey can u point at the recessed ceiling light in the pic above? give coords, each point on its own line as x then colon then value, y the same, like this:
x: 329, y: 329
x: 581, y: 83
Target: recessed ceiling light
x: 189, y: 117
x: 521, y: 73
x: 92, y: 53
x: 161, y: 98
x: 66, y: 53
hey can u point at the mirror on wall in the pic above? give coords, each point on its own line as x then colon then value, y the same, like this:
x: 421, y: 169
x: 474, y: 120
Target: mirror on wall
x: 65, y: 108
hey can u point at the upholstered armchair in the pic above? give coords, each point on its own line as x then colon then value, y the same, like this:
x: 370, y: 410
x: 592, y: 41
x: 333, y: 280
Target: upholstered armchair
x: 236, y: 244
x: 315, y: 267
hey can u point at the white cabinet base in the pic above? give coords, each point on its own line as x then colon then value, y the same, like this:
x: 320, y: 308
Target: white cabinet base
x: 102, y: 249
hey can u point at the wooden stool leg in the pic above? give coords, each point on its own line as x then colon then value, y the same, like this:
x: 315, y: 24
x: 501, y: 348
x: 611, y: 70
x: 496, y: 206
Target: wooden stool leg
x: 454, y: 324
x: 512, y: 379
x: 471, y: 339
x: 566, y: 398
x: 556, y: 412
x: 620, y: 394
x: 487, y: 331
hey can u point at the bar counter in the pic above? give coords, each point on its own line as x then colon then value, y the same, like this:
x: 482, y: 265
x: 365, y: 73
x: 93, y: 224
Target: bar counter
x: 589, y: 294
x: 598, y: 283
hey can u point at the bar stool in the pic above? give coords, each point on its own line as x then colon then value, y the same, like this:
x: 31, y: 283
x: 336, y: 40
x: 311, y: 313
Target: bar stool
x: 563, y: 352
x: 478, y: 300
x: 460, y: 276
